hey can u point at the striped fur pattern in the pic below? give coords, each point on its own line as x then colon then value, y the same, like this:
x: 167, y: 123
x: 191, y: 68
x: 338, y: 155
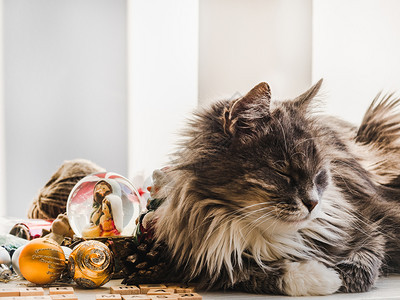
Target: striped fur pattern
x: 269, y: 197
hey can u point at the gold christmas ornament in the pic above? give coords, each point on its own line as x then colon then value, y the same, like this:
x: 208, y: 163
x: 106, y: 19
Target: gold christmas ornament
x: 91, y: 264
x: 41, y: 261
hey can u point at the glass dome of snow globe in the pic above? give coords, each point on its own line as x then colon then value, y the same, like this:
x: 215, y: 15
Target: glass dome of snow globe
x: 104, y: 205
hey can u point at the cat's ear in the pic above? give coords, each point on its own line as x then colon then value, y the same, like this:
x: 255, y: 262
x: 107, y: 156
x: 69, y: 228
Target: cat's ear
x: 302, y: 101
x: 245, y: 115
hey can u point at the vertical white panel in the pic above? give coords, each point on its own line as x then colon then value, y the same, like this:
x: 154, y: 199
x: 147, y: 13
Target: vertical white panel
x: 2, y: 124
x: 65, y: 90
x: 356, y: 46
x: 245, y: 42
x: 162, y: 79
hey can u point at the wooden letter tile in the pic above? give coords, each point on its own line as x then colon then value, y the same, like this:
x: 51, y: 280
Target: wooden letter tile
x: 182, y: 288
x: 169, y: 297
x: 124, y: 290
x: 189, y: 296
x: 31, y: 291
x: 165, y: 291
x: 108, y: 296
x: 4, y: 292
x: 61, y: 290
x: 144, y: 288
x: 64, y: 296
x: 136, y: 297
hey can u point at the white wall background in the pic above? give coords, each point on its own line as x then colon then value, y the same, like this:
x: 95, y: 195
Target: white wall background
x: 244, y: 42
x: 65, y: 90
x: 163, y: 66
x: 69, y: 84
x: 356, y: 48
x: 2, y: 122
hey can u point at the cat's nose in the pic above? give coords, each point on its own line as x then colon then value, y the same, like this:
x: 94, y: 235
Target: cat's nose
x: 310, y: 203
x: 310, y: 199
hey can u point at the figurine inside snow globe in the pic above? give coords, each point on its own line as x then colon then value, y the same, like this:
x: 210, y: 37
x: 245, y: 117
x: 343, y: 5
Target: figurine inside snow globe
x: 103, y: 205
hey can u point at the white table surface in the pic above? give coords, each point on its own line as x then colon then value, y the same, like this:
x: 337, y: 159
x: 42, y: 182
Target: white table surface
x: 386, y: 288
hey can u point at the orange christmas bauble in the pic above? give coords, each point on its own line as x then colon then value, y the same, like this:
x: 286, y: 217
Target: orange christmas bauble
x: 41, y: 261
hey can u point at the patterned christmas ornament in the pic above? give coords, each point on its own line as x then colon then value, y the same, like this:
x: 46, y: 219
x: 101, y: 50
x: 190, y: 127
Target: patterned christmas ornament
x: 4, y: 257
x: 41, y: 261
x: 15, y: 260
x: 91, y: 264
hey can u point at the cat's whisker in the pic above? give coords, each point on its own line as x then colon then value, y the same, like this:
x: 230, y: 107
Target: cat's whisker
x: 370, y: 227
x: 232, y: 214
x: 264, y: 218
x: 344, y: 163
x: 248, y: 214
x: 274, y: 224
x: 212, y: 229
x: 343, y: 179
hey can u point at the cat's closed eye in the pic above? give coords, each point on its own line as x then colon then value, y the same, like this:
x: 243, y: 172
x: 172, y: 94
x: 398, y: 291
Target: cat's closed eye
x: 289, y: 178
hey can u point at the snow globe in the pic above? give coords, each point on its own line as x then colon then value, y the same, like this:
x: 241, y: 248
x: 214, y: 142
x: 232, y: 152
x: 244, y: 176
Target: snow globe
x: 104, y: 205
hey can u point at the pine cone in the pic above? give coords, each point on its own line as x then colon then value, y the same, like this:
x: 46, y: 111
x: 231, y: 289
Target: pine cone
x: 150, y: 263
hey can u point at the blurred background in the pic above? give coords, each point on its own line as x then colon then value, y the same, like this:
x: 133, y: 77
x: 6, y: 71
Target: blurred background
x: 113, y: 81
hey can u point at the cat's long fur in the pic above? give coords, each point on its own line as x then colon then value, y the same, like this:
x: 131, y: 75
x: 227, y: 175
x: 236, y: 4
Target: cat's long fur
x: 269, y: 197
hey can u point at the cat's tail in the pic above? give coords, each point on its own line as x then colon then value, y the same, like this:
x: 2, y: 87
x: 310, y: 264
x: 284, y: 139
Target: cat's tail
x: 379, y: 133
x: 381, y: 123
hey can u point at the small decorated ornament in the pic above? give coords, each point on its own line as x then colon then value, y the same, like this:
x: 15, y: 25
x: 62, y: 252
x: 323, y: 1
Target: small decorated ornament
x: 67, y: 252
x: 5, y: 263
x: 146, y: 222
x: 15, y: 260
x: 30, y: 229
x: 5, y: 257
x: 41, y: 261
x: 91, y: 264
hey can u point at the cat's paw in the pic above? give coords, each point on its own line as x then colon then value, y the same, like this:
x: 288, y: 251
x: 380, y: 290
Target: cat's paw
x: 310, y: 278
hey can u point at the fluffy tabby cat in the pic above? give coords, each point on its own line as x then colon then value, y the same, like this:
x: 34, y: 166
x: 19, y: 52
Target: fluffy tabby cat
x: 269, y: 197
